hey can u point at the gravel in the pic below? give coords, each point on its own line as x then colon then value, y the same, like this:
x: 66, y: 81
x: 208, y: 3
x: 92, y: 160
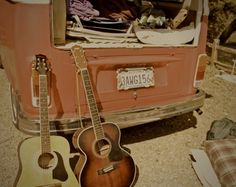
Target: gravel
x: 161, y: 150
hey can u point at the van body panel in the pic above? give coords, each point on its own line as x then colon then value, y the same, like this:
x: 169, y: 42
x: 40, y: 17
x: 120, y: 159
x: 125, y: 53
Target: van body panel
x: 27, y: 31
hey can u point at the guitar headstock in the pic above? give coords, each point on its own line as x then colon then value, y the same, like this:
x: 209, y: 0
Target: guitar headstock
x: 41, y: 65
x: 78, y: 54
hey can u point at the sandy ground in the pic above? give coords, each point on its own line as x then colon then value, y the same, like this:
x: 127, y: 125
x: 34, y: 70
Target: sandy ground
x: 161, y: 150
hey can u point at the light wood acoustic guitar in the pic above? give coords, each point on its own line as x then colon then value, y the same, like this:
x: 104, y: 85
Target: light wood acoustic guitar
x: 44, y: 160
x: 104, y: 162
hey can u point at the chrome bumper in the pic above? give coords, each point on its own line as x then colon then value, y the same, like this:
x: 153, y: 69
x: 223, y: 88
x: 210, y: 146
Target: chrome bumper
x: 123, y: 119
x: 146, y: 115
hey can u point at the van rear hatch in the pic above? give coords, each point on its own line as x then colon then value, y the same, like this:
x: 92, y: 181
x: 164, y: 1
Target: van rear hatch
x: 135, y: 80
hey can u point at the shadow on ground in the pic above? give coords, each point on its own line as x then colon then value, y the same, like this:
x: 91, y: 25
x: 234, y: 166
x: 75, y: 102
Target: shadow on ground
x: 158, y: 129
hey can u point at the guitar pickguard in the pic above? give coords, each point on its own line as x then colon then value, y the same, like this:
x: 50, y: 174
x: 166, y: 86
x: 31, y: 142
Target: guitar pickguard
x: 59, y: 172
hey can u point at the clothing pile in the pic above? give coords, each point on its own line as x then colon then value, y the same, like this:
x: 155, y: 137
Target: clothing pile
x: 126, y: 21
x: 83, y: 8
x: 148, y: 12
x: 118, y: 10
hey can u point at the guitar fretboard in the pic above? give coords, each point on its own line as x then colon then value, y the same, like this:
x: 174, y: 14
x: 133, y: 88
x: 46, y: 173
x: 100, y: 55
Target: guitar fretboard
x: 44, y: 123
x: 98, y: 130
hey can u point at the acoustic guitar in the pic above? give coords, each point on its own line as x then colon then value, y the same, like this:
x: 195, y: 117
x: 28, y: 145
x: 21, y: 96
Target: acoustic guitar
x: 44, y: 160
x: 104, y: 162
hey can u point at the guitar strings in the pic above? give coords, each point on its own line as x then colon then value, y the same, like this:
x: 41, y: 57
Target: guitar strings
x: 78, y: 99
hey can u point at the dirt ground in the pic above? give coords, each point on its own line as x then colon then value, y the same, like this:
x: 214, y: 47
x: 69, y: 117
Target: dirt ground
x: 161, y: 150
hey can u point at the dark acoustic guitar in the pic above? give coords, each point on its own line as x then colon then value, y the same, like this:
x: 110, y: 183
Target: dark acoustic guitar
x: 103, y: 162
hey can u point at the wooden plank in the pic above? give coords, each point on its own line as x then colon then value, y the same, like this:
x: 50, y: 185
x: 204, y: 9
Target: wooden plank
x: 222, y: 48
x: 98, y: 33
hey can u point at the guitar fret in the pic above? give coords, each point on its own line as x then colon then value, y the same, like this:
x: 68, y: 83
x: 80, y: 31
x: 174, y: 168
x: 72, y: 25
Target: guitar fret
x: 44, y: 113
x: 44, y: 123
x: 99, y: 131
x: 94, y: 111
x: 91, y: 100
x: 96, y: 118
x: 92, y: 105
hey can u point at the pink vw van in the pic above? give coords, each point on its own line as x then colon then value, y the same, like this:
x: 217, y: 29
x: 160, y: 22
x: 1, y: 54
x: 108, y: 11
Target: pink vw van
x: 139, y: 73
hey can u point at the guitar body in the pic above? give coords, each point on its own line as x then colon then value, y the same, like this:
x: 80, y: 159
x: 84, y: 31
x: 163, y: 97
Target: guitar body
x: 49, y: 170
x: 105, y: 163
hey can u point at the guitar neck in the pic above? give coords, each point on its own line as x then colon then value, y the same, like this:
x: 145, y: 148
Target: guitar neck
x: 43, y: 110
x: 98, y: 130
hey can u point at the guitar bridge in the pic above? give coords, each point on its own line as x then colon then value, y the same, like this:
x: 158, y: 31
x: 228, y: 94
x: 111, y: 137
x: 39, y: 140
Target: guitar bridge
x: 107, y: 169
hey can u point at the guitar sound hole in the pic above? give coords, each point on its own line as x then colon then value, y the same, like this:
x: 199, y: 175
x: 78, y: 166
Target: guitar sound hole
x: 46, y: 160
x: 102, y: 147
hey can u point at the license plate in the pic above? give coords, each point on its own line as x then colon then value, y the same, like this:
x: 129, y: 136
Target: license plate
x: 129, y: 78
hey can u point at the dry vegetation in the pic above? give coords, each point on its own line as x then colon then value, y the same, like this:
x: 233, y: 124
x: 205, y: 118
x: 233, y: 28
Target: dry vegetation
x: 222, y: 13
